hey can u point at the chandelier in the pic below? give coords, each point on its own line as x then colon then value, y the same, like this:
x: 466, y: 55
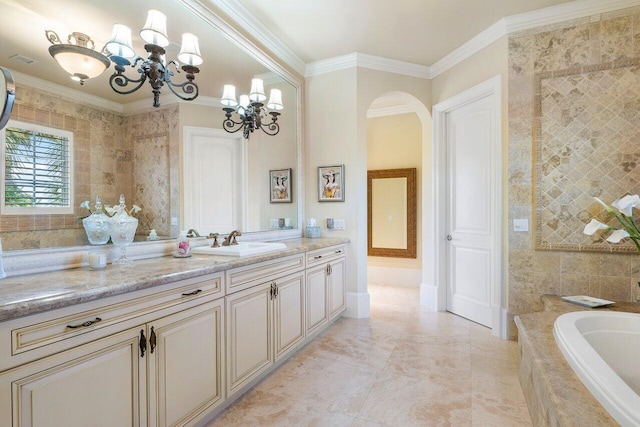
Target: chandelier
x: 154, y: 69
x: 77, y: 57
x: 251, y: 112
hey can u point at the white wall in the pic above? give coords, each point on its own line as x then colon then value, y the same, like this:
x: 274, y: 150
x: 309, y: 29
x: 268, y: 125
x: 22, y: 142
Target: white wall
x: 336, y: 133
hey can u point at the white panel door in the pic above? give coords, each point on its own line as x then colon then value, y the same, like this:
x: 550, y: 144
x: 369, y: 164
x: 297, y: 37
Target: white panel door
x: 471, y: 137
x: 213, y: 165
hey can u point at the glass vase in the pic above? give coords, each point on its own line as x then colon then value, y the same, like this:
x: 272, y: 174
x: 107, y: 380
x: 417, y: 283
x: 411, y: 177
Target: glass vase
x: 123, y: 230
x: 97, y: 225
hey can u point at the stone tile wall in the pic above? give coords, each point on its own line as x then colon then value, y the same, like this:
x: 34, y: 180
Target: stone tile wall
x: 532, y: 273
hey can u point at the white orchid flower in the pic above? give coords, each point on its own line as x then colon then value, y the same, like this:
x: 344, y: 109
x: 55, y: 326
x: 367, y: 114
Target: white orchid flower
x: 594, y: 226
x: 617, y: 235
x: 110, y: 210
x: 607, y: 207
x: 626, y: 204
x: 135, y: 209
x: 85, y: 205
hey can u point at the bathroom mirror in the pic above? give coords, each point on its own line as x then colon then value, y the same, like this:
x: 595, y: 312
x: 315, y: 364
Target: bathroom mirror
x: 121, y: 143
x: 391, y: 213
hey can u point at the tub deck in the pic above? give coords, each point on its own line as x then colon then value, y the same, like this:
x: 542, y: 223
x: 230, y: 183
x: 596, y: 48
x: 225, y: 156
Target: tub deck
x: 554, y: 393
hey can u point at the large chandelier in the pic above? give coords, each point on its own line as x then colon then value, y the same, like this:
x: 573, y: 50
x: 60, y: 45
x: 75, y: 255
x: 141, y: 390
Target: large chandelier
x: 154, y: 68
x: 78, y: 56
x: 250, y: 111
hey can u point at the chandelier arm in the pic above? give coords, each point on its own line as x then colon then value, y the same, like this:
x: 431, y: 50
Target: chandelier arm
x: 119, y: 80
x: 272, y: 128
x: 187, y: 87
x: 229, y: 125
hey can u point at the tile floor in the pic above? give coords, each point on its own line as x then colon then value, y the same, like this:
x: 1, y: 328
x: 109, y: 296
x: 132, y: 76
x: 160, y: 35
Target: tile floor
x: 405, y: 366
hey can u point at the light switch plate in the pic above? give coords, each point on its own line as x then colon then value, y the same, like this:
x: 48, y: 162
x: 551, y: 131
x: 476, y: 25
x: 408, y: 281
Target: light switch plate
x: 521, y: 224
x: 174, y: 220
x: 338, y: 224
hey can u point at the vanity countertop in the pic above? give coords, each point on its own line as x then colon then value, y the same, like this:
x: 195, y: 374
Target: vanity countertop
x: 35, y: 293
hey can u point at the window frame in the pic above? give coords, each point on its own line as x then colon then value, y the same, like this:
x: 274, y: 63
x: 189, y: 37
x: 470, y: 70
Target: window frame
x: 37, y: 210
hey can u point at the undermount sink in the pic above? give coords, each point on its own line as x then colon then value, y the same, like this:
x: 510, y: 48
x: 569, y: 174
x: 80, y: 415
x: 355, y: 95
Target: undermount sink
x: 241, y: 249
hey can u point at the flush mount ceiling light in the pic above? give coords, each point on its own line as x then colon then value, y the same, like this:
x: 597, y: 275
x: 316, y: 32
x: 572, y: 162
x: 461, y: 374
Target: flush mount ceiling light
x: 77, y: 57
x: 250, y: 110
x: 155, y: 68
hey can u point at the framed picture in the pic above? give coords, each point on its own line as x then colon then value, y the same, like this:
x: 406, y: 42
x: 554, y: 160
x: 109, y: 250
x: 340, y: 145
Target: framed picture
x: 331, y: 183
x: 280, y: 185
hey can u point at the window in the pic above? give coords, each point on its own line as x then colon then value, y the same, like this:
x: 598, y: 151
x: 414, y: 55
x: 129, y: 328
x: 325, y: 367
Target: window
x: 38, y: 166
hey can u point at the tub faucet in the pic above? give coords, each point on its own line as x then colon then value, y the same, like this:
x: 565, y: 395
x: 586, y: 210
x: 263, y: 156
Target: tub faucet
x: 193, y: 233
x: 231, y: 238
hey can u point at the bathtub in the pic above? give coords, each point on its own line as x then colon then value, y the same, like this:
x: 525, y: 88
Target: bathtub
x: 603, y: 348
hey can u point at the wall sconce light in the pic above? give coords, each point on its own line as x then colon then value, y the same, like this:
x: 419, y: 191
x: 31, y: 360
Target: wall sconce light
x: 155, y: 68
x: 250, y: 110
x: 77, y: 57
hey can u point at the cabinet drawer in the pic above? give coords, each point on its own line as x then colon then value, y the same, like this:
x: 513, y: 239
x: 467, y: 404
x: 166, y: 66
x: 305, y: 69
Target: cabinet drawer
x: 245, y: 277
x: 320, y: 256
x: 53, y: 331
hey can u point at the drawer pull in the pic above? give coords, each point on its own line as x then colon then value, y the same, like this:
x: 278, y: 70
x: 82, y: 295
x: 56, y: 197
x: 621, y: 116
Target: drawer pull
x: 196, y: 292
x: 317, y: 257
x: 339, y: 252
x: 85, y: 324
x: 143, y: 343
x: 152, y: 340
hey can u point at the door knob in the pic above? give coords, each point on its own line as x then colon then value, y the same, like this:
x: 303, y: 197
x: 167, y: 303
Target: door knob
x: 449, y: 238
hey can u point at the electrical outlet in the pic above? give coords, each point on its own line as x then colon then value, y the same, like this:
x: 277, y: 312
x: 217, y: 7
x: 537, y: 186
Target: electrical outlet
x: 521, y: 224
x: 339, y: 224
x: 174, y: 220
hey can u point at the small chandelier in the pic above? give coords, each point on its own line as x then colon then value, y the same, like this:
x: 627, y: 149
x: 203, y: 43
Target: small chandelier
x: 251, y: 111
x: 155, y: 68
x: 77, y: 57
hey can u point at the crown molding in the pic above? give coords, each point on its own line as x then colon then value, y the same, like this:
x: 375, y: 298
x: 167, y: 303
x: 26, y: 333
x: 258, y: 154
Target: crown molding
x: 66, y: 92
x: 145, y: 105
x: 363, y: 60
x: 525, y: 21
x: 390, y: 111
x: 248, y: 22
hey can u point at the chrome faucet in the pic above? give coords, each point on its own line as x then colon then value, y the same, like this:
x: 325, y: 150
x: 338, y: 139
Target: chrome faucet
x: 193, y: 233
x: 231, y: 238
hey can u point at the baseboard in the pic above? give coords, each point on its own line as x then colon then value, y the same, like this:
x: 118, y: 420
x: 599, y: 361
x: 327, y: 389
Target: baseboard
x: 499, y: 322
x: 429, y: 296
x: 394, y: 276
x: 358, y: 305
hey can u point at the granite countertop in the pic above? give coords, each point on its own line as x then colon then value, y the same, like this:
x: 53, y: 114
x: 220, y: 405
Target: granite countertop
x: 35, y: 293
x: 573, y: 402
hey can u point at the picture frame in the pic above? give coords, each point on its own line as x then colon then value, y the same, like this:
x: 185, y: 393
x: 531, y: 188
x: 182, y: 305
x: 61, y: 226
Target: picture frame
x: 331, y: 183
x: 280, y: 186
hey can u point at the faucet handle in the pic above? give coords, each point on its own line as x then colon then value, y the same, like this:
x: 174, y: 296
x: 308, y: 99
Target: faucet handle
x: 214, y: 236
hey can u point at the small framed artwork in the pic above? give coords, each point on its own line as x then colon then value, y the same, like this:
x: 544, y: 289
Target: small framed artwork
x: 331, y: 183
x: 280, y: 185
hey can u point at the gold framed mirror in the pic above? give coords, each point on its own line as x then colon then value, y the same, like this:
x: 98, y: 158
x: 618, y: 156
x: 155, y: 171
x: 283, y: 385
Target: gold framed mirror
x: 391, y: 213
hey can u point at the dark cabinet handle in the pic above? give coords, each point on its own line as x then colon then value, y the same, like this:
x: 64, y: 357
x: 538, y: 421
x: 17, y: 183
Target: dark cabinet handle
x: 317, y: 257
x: 275, y: 286
x: 339, y: 252
x: 188, y: 294
x: 152, y: 340
x: 85, y: 324
x: 143, y: 343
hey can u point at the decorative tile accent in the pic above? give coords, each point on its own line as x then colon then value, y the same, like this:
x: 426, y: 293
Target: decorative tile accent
x: 585, y: 137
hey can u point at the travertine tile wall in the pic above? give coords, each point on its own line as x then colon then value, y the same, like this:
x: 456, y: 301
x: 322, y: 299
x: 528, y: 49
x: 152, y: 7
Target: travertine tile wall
x: 101, y: 161
x: 532, y: 273
x: 135, y: 155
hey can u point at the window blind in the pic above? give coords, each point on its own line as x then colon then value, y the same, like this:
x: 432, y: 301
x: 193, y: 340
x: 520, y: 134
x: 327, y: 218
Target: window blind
x: 36, y: 169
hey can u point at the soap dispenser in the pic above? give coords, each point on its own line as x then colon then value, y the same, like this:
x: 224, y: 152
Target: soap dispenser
x: 182, y: 249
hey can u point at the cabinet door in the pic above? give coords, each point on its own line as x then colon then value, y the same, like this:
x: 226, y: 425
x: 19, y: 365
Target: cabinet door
x: 337, y: 287
x: 97, y: 384
x: 185, y: 354
x: 289, y: 313
x: 249, y: 342
x: 316, y: 293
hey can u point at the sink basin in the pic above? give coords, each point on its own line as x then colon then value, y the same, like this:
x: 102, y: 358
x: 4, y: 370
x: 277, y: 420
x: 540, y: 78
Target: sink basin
x: 241, y: 249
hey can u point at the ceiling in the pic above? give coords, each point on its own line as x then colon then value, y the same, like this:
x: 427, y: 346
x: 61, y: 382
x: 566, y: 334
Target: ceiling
x: 417, y: 31
x: 22, y: 32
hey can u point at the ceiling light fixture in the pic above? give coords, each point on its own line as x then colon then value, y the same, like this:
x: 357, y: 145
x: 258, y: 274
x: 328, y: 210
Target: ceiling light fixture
x: 155, y: 68
x: 251, y: 110
x: 77, y: 57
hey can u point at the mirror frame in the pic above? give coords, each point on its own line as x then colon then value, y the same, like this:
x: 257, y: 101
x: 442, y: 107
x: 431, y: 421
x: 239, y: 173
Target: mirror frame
x: 410, y: 175
x: 8, y: 89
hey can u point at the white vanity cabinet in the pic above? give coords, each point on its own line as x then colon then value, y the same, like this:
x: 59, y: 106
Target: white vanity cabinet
x: 325, y: 286
x: 265, y: 321
x: 163, y: 365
